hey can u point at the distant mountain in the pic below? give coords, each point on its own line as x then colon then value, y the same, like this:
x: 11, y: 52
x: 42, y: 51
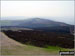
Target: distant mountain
x: 32, y: 21
x: 47, y: 25
x: 39, y: 24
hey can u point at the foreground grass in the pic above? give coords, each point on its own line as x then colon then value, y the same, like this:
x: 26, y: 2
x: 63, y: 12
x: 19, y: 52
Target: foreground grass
x: 29, y: 49
x: 56, y: 49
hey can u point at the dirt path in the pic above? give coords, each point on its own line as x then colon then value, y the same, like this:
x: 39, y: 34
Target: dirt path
x: 5, y: 41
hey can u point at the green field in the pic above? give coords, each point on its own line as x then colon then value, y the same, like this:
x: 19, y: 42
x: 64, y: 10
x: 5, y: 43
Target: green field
x: 28, y: 49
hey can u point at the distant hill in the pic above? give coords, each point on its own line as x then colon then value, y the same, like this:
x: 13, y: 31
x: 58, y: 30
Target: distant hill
x: 47, y: 25
x: 32, y: 21
x: 39, y: 24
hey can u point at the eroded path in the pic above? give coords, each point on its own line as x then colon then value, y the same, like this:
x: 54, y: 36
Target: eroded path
x: 5, y: 41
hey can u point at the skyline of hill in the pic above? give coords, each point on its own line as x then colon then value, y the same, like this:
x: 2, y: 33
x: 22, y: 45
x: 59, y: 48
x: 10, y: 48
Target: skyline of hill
x: 39, y: 24
x: 58, y: 19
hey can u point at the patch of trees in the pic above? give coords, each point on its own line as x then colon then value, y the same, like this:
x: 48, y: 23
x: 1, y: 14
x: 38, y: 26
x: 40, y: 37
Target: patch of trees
x: 42, y: 38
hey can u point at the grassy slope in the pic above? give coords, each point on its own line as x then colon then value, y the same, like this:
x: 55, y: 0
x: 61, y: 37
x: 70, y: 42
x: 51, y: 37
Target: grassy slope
x: 27, y: 49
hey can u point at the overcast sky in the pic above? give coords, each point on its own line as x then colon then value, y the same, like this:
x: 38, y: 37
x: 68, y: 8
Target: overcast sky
x: 53, y: 9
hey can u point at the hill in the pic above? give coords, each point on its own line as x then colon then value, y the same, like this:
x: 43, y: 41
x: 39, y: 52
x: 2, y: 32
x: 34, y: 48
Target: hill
x: 39, y: 24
